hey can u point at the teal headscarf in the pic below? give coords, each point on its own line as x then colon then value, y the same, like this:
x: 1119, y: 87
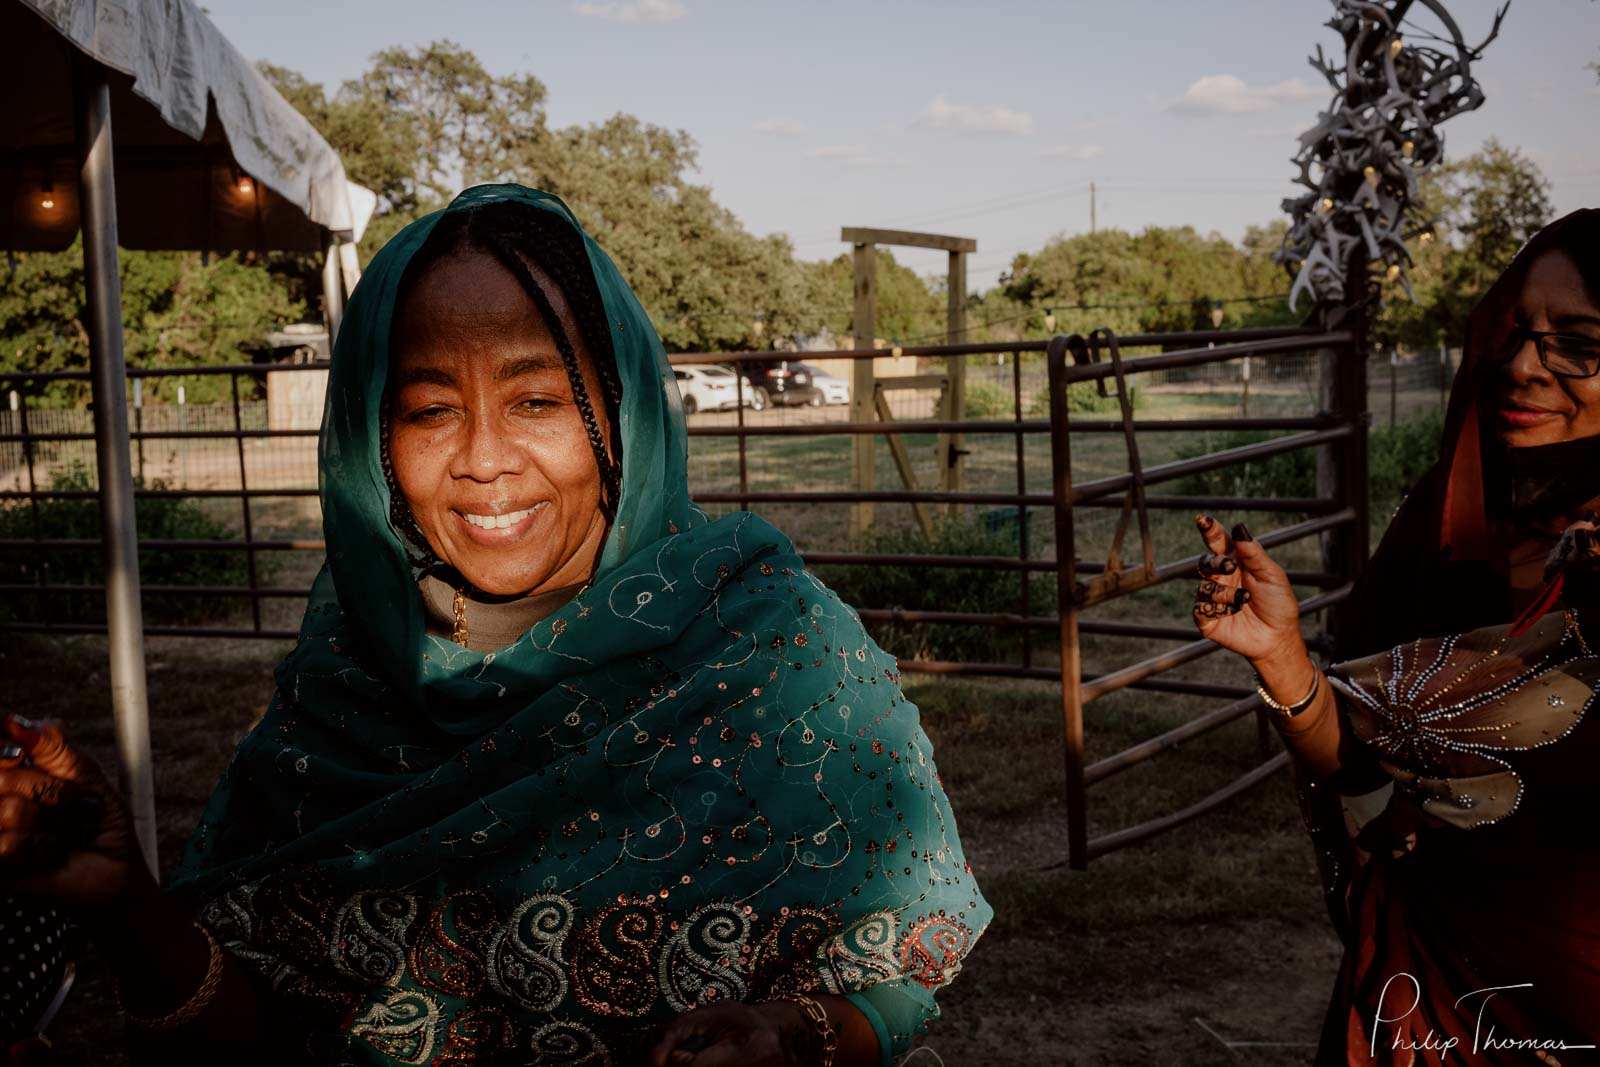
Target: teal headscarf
x: 696, y: 780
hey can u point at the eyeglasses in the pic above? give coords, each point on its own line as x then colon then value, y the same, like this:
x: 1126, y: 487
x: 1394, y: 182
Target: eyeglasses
x: 1562, y: 354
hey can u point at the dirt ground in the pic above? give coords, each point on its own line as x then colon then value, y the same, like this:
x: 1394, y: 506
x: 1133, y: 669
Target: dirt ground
x: 1162, y: 954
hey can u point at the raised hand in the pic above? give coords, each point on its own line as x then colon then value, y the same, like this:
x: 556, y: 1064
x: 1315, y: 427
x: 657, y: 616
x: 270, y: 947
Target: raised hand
x: 1245, y: 602
x: 64, y: 832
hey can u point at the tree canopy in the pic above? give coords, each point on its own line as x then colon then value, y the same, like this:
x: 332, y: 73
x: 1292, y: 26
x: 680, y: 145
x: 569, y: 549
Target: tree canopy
x: 423, y: 122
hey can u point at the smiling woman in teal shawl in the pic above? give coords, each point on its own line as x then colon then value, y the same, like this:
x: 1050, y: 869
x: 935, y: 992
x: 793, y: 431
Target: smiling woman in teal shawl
x: 561, y: 771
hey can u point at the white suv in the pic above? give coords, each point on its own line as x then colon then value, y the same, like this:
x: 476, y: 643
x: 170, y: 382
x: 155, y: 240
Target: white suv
x: 709, y: 389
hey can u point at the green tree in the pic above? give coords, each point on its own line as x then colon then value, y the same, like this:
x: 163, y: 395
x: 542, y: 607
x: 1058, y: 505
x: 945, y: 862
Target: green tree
x: 1487, y: 206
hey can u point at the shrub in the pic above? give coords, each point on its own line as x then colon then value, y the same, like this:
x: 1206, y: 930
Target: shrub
x: 1397, y: 457
x: 985, y: 401
x: 914, y: 588
x: 1083, y: 398
x: 1285, y: 474
x: 157, y: 518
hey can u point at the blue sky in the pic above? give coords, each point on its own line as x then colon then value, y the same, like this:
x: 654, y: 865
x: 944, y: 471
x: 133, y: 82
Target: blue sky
x: 981, y: 120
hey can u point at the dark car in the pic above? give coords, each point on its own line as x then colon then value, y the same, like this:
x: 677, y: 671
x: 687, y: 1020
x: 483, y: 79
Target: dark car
x: 782, y: 382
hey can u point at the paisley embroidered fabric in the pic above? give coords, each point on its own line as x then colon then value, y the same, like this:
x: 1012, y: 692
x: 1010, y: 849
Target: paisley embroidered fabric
x: 696, y: 779
x: 1483, y: 870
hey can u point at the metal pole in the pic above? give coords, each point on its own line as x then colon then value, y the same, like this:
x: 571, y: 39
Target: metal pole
x: 125, y: 625
x: 332, y: 292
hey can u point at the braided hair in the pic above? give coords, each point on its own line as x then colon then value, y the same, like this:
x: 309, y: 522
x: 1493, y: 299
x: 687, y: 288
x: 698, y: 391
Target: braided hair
x: 516, y: 234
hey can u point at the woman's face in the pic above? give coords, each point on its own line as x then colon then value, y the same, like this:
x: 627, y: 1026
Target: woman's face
x: 485, y: 439
x: 1531, y: 405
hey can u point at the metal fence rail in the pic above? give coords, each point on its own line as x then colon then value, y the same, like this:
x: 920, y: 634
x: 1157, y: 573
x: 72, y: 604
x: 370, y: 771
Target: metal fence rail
x: 35, y: 442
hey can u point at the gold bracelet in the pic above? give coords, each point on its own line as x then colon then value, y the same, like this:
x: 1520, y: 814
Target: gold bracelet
x: 827, y: 1038
x: 1289, y: 711
x: 196, y: 1004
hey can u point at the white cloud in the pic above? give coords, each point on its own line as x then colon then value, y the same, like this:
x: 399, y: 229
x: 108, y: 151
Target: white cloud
x: 632, y: 10
x: 1226, y: 94
x: 780, y: 126
x: 968, y: 118
x: 849, y: 152
x: 1073, y: 151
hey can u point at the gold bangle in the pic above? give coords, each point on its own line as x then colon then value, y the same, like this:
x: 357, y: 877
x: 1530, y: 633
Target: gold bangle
x: 1289, y: 711
x: 189, y: 1009
x: 827, y: 1038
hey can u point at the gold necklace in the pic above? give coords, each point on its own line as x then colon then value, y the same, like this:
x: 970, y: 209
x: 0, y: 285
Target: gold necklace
x: 459, y: 633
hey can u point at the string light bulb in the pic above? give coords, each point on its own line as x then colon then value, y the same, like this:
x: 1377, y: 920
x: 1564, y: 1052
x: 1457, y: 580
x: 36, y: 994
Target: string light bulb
x: 1370, y: 173
x: 1325, y: 206
x: 758, y: 326
x: 1050, y: 319
x: 1394, y: 47
x: 1393, y: 272
x: 1426, y: 237
x: 1408, y: 149
x: 896, y: 351
x: 47, y: 193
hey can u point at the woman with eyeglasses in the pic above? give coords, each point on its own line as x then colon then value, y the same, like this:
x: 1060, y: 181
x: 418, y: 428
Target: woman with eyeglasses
x: 1447, y: 777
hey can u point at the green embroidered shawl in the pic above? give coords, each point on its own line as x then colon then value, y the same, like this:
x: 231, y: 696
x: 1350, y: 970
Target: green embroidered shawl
x: 698, y: 779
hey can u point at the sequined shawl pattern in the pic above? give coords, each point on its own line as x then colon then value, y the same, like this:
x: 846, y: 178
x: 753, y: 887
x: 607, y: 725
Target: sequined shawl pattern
x: 1446, y: 717
x: 698, y: 779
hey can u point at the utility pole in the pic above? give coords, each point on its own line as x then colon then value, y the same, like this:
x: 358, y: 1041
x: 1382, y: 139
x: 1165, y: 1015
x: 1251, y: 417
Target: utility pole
x: 1091, y: 207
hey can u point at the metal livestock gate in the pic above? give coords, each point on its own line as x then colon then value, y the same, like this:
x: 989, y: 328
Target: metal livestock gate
x: 1337, y: 514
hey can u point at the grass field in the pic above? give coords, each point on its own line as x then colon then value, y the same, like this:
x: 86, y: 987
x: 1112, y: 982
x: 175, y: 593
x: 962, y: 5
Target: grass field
x: 1161, y: 954
x: 1218, y: 922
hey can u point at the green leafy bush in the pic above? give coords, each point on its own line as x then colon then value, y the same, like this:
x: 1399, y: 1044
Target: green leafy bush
x: 985, y: 401
x: 1397, y: 457
x: 914, y: 588
x: 158, y: 518
x: 1083, y: 398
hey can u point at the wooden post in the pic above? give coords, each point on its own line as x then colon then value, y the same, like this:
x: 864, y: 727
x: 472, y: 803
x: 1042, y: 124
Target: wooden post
x: 952, y: 446
x: 862, y: 398
x: 863, y: 385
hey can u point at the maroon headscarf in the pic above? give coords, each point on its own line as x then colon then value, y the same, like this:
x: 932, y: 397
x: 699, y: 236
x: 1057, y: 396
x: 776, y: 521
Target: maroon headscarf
x: 1442, y: 566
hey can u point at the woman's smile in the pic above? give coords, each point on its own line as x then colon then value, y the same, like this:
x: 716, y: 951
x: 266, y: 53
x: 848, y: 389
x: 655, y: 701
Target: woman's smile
x: 1521, y: 414
x: 488, y: 527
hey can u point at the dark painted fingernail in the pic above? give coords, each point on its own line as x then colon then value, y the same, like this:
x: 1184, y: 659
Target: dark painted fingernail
x: 1241, y: 598
x: 1241, y: 532
x: 1204, y: 521
x: 12, y: 751
x: 1228, y: 566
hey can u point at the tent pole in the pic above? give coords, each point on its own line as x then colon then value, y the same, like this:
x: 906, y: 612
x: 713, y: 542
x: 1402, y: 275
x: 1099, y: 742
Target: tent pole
x: 332, y: 291
x: 129, y: 707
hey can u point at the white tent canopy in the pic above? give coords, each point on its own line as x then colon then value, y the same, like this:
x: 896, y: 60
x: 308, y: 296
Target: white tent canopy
x: 208, y: 155
x: 136, y: 123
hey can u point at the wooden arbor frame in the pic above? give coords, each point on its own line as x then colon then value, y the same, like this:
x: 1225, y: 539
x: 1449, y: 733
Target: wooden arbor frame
x: 867, y: 402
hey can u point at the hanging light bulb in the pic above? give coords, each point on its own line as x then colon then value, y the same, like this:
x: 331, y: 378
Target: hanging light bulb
x: 1050, y: 319
x: 896, y: 351
x: 1325, y: 206
x: 47, y: 193
x: 1427, y: 237
x: 1371, y: 175
x: 1408, y: 149
x: 1394, y: 47
x: 1393, y: 272
x: 758, y: 326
